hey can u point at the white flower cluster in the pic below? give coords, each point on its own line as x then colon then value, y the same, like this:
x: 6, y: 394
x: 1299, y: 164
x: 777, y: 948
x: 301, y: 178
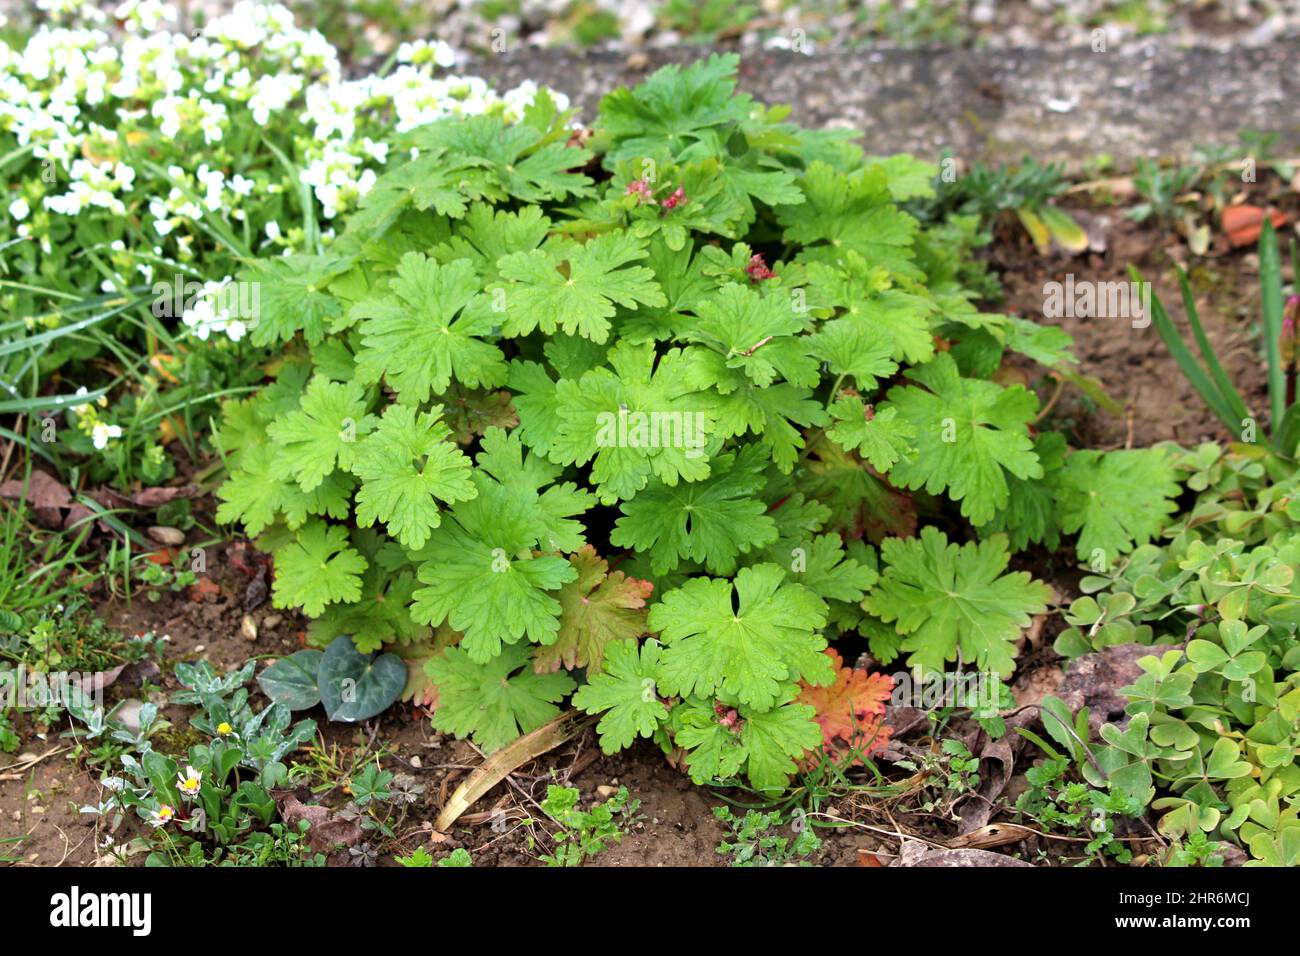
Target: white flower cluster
x: 212, y: 312
x: 76, y: 99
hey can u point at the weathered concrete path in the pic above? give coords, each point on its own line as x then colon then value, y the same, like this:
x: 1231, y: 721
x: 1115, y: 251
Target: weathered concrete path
x: 1056, y: 105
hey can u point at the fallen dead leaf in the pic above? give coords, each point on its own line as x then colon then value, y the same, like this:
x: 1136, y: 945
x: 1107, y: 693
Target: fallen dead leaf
x: 329, y: 833
x: 45, y: 495
x: 1243, y: 223
x: 918, y: 854
x: 994, y: 834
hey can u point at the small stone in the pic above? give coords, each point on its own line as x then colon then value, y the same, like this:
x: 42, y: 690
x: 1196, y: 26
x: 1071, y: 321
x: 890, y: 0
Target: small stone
x: 172, y: 537
x: 606, y: 791
x: 416, y: 762
x: 272, y: 621
x: 248, y: 628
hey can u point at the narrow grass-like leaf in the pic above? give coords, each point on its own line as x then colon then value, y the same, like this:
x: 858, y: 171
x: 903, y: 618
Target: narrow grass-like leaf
x: 1270, y: 295
x: 1183, y: 356
x: 1231, y: 397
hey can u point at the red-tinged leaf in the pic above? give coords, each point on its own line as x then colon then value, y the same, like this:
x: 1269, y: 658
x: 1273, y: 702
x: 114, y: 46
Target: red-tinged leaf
x: 851, y: 709
x: 598, y: 607
x: 469, y: 413
x: 862, y: 503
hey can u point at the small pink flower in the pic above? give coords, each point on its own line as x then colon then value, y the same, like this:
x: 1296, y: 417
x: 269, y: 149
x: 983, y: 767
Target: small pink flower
x: 727, y: 717
x: 641, y: 190
x: 678, y: 198
x: 757, y: 268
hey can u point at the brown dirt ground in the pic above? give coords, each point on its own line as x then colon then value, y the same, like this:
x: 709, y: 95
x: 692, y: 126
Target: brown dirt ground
x: 39, y: 802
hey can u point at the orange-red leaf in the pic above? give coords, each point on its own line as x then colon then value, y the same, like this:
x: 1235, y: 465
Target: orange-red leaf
x: 851, y: 709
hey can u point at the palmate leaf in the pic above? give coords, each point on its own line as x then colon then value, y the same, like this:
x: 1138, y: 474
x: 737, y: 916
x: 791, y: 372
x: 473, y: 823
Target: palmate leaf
x: 969, y: 435
x: 948, y: 599
x: 534, y: 398
x: 483, y: 577
x: 851, y: 212
x: 776, y: 415
x: 469, y: 413
x: 488, y: 234
x: 496, y: 700
x: 746, y: 176
x: 598, y: 609
x: 256, y: 494
x: 381, y: 616
x: 428, y: 329
x: 625, y: 693
x: 878, y: 321
x: 292, y: 297
x: 636, y: 418
x: 520, y: 160
x: 316, y: 568
x: 323, y: 433
x: 855, y: 348
x: 684, y: 285
x: 711, y: 648
x: 673, y: 108
x: 711, y: 521
x: 1031, y: 511
x: 574, y: 287
x: 762, y: 743
x: 851, y: 709
x: 406, y: 466
x: 881, y: 438
x: 861, y: 504
x: 1116, y: 500
x: 755, y: 334
x: 821, y: 565
x: 524, y: 477
x: 434, y: 180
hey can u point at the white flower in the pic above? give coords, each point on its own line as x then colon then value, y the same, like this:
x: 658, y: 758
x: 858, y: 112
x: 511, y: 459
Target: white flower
x: 19, y: 208
x: 162, y: 816
x: 101, y: 434
x: 422, y: 51
x: 188, y: 782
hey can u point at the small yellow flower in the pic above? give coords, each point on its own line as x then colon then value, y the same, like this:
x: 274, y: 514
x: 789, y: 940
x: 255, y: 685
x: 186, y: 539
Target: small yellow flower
x: 188, y: 782
x: 224, y: 728
x: 161, y: 816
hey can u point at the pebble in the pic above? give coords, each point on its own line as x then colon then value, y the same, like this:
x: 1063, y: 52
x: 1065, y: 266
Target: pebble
x: 248, y: 628
x: 168, y: 536
x: 415, y: 761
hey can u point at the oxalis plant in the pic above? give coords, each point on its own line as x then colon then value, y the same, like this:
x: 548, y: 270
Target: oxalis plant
x: 652, y: 414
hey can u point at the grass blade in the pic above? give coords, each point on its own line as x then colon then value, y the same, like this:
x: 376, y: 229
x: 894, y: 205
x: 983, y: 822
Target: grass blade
x: 1183, y: 356
x: 1231, y: 397
x: 1270, y: 294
